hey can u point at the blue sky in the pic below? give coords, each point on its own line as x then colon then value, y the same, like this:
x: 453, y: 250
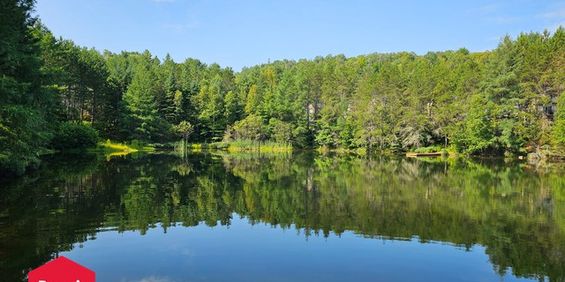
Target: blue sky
x: 244, y: 33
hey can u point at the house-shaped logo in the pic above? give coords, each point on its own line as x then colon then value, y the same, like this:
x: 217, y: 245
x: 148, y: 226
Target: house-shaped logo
x: 61, y: 269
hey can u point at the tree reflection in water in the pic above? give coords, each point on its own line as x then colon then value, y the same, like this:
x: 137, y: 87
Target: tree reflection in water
x: 516, y: 212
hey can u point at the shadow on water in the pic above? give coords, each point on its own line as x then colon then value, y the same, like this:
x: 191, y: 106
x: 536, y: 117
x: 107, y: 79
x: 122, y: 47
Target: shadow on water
x: 515, y: 212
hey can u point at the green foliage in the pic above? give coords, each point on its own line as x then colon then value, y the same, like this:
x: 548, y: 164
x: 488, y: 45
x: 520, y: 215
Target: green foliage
x: 210, y: 102
x: 140, y: 99
x: 22, y: 138
x: 487, y: 102
x: 476, y: 132
x: 240, y: 146
x: 559, y: 128
x: 113, y: 147
x: 184, y: 129
x: 72, y: 135
x: 431, y: 149
x: 500, y: 101
x: 233, y: 110
x: 280, y: 131
x: 24, y: 104
x: 252, y: 100
x: 250, y: 128
x: 302, y: 137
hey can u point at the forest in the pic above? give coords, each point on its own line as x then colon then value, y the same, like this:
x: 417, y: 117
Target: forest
x: 57, y: 95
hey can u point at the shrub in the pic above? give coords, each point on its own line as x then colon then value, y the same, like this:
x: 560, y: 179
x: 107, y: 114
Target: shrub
x: 301, y: 137
x: 280, y: 131
x: 250, y: 128
x: 74, y: 136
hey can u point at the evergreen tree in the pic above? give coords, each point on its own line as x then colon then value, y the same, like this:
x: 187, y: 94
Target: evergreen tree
x: 140, y: 100
x: 233, y: 110
x: 25, y: 105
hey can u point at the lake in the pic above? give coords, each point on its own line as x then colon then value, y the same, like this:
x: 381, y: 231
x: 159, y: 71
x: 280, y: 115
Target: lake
x: 286, y: 217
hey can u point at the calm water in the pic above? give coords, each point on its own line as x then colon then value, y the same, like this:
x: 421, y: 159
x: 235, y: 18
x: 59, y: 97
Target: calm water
x: 217, y: 217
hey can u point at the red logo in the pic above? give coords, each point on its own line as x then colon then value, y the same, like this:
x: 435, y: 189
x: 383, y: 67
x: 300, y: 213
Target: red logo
x: 61, y: 269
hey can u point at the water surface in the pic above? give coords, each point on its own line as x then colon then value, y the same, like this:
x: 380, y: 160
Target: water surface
x: 301, y: 217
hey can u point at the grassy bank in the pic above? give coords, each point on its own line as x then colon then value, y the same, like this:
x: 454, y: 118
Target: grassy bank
x: 113, y: 149
x: 275, y: 148
x: 265, y: 147
x: 244, y: 146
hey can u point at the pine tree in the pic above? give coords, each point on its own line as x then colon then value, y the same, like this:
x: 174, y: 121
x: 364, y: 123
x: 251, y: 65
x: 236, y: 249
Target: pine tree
x: 253, y: 100
x: 233, y: 110
x: 140, y: 100
x: 25, y: 106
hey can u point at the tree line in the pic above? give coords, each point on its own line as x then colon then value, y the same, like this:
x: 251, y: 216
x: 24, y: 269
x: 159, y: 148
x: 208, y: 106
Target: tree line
x: 54, y: 93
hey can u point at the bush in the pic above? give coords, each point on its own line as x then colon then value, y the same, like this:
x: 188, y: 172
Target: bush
x: 74, y: 136
x: 280, y: 131
x: 250, y: 128
x: 301, y: 137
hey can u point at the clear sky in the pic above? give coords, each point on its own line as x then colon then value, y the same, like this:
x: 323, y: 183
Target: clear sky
x: 244, y: 33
